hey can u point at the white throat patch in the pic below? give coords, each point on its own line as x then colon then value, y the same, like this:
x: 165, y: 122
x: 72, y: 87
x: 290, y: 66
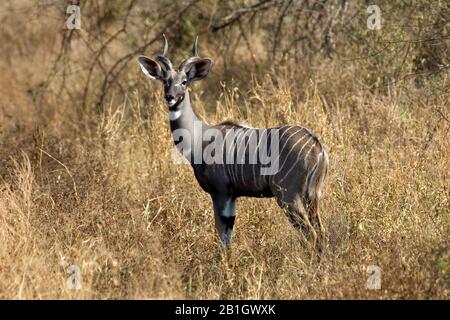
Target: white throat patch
x: 174, y: 115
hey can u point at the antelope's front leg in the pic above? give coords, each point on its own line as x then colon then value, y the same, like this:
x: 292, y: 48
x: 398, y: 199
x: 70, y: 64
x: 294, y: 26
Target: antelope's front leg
x: 225, y: 214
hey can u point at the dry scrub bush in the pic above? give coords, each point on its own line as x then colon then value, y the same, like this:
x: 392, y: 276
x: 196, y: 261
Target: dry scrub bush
x: 140, y: 226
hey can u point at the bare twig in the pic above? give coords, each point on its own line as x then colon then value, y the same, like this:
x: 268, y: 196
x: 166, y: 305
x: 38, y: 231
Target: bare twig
x: 67, y: 170
x: 236, y: 15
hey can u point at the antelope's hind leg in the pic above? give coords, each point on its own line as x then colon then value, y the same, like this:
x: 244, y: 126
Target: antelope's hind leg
x: 303, y: 217
x: 224, y: 214
x: 298, y: 216
x: 314, y: 216
x: 298, y: 210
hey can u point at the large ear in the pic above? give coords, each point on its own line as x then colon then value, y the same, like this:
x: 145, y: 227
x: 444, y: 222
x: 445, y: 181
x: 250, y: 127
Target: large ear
x: 150, y: 68
x: 198, y: 69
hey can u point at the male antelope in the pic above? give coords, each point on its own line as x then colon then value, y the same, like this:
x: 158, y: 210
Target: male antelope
x: 300, y: 158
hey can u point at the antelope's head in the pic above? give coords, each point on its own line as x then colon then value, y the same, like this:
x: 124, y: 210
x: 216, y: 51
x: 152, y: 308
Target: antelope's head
x: 175, y: 82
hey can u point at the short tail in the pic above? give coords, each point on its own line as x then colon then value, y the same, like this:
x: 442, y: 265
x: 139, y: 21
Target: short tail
x: 316, y: 178
x: 315, y: 183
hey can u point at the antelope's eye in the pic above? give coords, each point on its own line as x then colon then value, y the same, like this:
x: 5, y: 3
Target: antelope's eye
x: 184, y: 82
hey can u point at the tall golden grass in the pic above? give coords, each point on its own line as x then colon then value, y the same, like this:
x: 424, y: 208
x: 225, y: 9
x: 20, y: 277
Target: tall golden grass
x: 107, y: 198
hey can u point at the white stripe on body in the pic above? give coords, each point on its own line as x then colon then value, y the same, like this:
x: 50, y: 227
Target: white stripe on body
x: 307, y: 154
x: 292, y: 148
x: 298, y: 158
x: 284, y: 145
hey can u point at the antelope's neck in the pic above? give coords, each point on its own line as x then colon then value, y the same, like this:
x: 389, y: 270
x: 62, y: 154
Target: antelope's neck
x: 186, y: 127
x: 184, y: 116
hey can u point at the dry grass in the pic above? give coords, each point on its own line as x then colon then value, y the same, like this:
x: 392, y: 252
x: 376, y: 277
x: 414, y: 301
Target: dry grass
x: 109, y: 199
